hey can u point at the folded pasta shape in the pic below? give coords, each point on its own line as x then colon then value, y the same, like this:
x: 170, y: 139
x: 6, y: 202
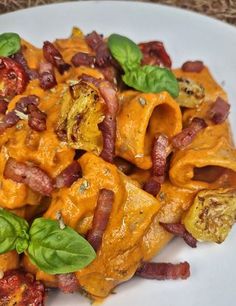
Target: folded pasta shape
x: 132, y: 213
x: 210, y: 160
x: 141, y: 117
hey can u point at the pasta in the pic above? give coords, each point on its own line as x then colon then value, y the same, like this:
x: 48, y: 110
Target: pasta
x: 79, y: 120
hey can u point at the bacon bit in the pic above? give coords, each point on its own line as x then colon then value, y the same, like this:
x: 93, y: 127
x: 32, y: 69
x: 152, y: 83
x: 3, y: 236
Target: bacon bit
x: 47, y: 77
x: 193, y: 66
x: 164, y: 271
x: 67, y: 283
x: 97, y: 44
x: 152, y: 186
x: 69, y: 175
x: 20, y: 59
x: 219, y: 111
x: 101, y: 217
x: 13, y: 78
x: 53, y: 56
x: 3, y: 106
x: 9, y: 120
x: 123, y: 165
x: 179, y: 230
x: 159, y: 156
x: 21, y: 283
x: 24, y: 102
x: 83, y: 59
x: 187, y: 135
x: 110, y: 73
x: 34, y: 177
x: 37, y: 118
x: 154, y: 53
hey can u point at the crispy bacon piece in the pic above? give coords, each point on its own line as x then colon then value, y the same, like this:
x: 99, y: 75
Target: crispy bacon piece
x: 3, y: 105
x: 219, y: 111
x: 24, y: 102
x: 13, y: 79
x: 47, y: 77
x: 159, y: 156
x: 108, y: 126
x: 163, y: 271
x: 97, y: 44
x: 69, y: 175
x: 154, y: 53
x: 20, y: 59
x: 179, y: 230
x: 53, y: 56
x: 9, y: 120
x: 101, y: 217
x: 21, y: 289
x: 193, y: 66
x: 83, y: 59
x: 36, y: 178
x: 37, y: 118
x: 123, y: 165
x: 187, y: 135
x: 67, y: 283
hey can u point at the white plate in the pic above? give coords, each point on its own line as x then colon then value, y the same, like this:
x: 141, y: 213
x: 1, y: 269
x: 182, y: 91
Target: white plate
x: 186, y: 36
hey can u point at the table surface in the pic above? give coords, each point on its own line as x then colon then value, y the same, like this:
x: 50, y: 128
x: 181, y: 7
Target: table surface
x: 221, y: 9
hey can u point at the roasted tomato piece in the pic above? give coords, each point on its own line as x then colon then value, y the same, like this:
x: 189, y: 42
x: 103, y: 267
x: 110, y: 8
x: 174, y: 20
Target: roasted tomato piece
x: 20, y: 289
x: 13, y: 79
x: 212, y: 215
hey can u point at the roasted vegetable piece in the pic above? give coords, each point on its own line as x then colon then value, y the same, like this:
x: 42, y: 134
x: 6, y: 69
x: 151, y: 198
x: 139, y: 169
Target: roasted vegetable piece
x: 191, y: 94
x: 212, y: 215
x: 86, y: 112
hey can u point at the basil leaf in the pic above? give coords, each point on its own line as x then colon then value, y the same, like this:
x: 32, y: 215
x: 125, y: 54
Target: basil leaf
x: 125, y: 51
x: 152, y: 79
x: 9, y: 44
x: 57, y: 251
x: 12, y: 230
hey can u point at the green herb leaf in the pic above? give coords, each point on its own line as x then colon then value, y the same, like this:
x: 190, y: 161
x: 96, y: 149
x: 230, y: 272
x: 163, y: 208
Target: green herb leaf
x: 13, y: 232
x: 152, y: 79
x: 125, y: 51
x: 9, y: 44
x: 56, y: 250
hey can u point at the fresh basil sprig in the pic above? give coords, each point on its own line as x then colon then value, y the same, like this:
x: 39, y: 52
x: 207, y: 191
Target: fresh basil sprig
x: 125, y: 51
x: 9, y: 44
x: 143, y: 78
x: 152, y: 79
x: 52, y: 249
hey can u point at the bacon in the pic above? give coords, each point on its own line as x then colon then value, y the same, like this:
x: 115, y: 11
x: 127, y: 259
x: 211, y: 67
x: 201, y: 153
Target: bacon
x: 37, y: 118
x: 9, y: 120
x: 83, y: 59
x: 16, y: 283
x: 101, y: 217
x: 47, y: 77
x: 13, y: 79
x: 110, y: 73
x: 154, y: 53
x: 164, y: 271
x: 219, y: 111
x: 34, y: 177
x: 159, y: 156
x: 108, y: 126
x: 67, y: 283
x: 20, y: 59
x: 3, y: 105
x: 53, y: 56
x: 193, y: 66
x: 152, y: 186
x: 69, y: 175
x: 179, y: 230
x: 187, y: 135
x: 97, y: 44
x: 24, y: 102
x: 123, y: 165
